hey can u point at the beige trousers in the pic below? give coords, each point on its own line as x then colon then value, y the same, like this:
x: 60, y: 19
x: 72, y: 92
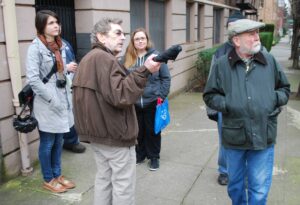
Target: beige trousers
x: 116, y: 175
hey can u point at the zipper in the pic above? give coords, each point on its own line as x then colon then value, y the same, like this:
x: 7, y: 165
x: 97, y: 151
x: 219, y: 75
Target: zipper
x: 140, y: 62
x: 142, y: 103
x: 69, y: 105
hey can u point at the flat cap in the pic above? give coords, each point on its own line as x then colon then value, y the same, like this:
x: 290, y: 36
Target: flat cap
x: 242, y: 26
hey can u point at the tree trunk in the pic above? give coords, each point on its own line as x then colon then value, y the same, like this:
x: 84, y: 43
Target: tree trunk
x: 296, y: 33
x: 295, y: 45
x: 296, y: 37
x: 298, y: 92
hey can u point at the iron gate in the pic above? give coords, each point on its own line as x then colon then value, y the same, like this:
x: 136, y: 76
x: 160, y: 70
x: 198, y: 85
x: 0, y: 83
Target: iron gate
x: 66, y: 12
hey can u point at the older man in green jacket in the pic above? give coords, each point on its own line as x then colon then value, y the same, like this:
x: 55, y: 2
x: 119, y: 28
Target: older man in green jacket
x: 248, y: 86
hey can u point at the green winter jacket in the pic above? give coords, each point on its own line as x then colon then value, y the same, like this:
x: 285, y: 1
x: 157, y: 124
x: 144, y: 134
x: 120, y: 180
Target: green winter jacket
x: 249, y: 101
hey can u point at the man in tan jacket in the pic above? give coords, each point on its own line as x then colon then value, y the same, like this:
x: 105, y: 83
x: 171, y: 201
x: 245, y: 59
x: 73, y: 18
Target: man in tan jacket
x: 103, y: 96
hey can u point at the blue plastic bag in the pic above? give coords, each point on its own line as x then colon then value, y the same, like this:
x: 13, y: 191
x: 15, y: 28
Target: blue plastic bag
x: 162, y: 115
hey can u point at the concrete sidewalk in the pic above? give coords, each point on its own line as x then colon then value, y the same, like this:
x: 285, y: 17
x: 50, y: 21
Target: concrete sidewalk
x: 188, y: 171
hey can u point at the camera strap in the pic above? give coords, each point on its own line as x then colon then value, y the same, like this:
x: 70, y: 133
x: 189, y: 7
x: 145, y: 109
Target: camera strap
x: 52, y: 71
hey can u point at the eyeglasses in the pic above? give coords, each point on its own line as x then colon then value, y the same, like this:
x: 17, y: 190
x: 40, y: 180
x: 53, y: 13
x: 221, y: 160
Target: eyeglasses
x: 140, y: 39
x: 119, y: 33
x: 116, y: 32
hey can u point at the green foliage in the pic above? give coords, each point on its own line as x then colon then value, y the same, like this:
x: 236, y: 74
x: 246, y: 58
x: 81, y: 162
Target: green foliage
x: 276, y: 39
x: 268, y: 28
x: 203, y: 63
x: 266, y: 36
x: 266, y: 39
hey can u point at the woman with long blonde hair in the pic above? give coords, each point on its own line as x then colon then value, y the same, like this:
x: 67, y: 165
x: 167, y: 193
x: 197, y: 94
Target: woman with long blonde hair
x: 158, y: 86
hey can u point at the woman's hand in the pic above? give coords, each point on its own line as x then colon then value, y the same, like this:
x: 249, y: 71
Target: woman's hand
x: 72, y: 67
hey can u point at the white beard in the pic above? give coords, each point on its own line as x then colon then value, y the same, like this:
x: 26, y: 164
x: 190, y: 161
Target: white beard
x: 255, y: 49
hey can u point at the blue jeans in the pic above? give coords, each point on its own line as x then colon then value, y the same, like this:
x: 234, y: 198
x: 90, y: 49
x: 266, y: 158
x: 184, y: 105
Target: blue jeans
x: 250, y: 175
x: 222, y: 152
x: 50, y: 154
x: 71, y: 137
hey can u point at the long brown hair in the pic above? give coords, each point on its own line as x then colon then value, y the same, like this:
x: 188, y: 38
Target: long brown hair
x: 41, y: 19
x: 131, y: 54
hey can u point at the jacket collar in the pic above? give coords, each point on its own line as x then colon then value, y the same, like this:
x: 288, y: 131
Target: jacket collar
x: 233, y: 58
x: 43, y: 48
x: 102, y: 47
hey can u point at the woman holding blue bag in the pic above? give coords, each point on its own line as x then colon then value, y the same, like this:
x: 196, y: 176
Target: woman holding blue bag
x: 158, y: 86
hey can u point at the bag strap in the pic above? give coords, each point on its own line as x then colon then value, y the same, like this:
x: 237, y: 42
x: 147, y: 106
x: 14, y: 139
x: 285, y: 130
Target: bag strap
x: 52, y: 71
x: 45, y: 80
x: 28, y: 102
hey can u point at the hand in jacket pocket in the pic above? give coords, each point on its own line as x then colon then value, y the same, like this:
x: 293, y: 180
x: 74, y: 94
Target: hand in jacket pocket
x: 56, y: 105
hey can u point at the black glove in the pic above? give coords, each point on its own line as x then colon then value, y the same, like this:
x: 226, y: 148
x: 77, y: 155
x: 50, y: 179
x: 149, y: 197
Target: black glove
x: 169, y: 54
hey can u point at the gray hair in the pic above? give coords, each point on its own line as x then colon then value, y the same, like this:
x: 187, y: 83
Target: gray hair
x: 103, y: 26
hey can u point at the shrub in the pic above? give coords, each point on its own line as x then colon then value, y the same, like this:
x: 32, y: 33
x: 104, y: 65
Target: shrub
x: 266, y: 39
x: 268, y: 28
x: 203, y: 63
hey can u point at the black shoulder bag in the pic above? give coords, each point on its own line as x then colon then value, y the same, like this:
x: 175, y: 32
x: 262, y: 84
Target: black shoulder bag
x: 26, y: 95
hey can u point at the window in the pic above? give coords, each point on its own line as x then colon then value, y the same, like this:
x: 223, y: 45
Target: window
x: 188, y: 22
x: 217, y: 23
x: 157, y: 23
x: 137, y: 14
x: 149, y: 14
x: 200, y: 23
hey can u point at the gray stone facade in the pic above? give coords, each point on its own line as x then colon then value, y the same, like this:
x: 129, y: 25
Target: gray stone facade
x: 87, y: 13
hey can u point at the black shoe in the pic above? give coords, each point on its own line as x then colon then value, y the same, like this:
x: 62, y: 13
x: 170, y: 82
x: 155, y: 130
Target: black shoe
x: 154, y: 164
x: 76, y: 148
x: 223, y: 179
x: 140, y: 160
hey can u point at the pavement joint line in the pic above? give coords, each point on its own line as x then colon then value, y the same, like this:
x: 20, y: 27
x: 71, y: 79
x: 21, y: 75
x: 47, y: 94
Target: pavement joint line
x: 192, y: 166
x: 72, y: 197
x: 295, y: 117
x: 89, y: 189
x: 278, y: 171
x: 201, y: 130
x: 62, y: 196
x: 161, y: 197
x: 69, y: 197
x: 205, y: 166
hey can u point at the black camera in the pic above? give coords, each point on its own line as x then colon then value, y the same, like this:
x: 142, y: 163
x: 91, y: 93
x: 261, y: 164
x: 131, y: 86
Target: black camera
x: 169, y: 54
x: 61, y: 83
